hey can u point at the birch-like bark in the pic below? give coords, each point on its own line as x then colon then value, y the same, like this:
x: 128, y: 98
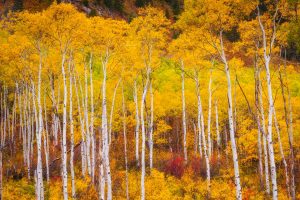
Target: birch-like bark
x: 265, y: 147
x: 183, y: 113
x: 231, y: 123
x: 64, y: 133
x: 207, y: 161
x: 267, y: 59
x: 144, y: 134
x: 105, y: 131
x: 137, y: 126
x: 101, y: 172
x: 92, y: 134
x: 71, y: 129
x: 86, y: 119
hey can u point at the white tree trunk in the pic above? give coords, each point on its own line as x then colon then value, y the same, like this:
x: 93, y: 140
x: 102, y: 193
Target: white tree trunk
x: 86, y: 119
x: 92, y: 134
x: 265, y: 147
x: 143, y: 136
x: 267, y: 59
x: 183, y: 113
x: 199, y: 114
x: 71, y: 129
x: 137, y: 126
x: 64, y: 133
x: 207, y: 161
x: 231, y: 124
x: 105, y: 133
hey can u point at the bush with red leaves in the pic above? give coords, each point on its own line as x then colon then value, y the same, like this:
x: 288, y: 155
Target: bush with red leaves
x: 175, y: 166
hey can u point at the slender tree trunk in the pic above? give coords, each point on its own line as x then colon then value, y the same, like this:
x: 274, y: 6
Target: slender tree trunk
x: 183, y: 113
x: 93, y: 140
x: 144, y: 135
x: 207, y: 160
x: 137, y: 126
x: 231, y: 125
x: 101, y: 172
x: 105, y: 132
x: 64, y: 135
x: 267, y: 59
x: 266, y: 160
x: 87, y: 125
x: 71, y: 129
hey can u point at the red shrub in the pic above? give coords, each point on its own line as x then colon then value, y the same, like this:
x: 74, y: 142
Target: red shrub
x: 175, y: 166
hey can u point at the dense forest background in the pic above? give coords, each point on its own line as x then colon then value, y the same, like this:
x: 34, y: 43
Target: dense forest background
x: 149, y: 99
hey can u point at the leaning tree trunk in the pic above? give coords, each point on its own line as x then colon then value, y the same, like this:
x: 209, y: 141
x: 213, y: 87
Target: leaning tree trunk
x: 231, y: 124
x: 201, y: 130
x: 267, y: 59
